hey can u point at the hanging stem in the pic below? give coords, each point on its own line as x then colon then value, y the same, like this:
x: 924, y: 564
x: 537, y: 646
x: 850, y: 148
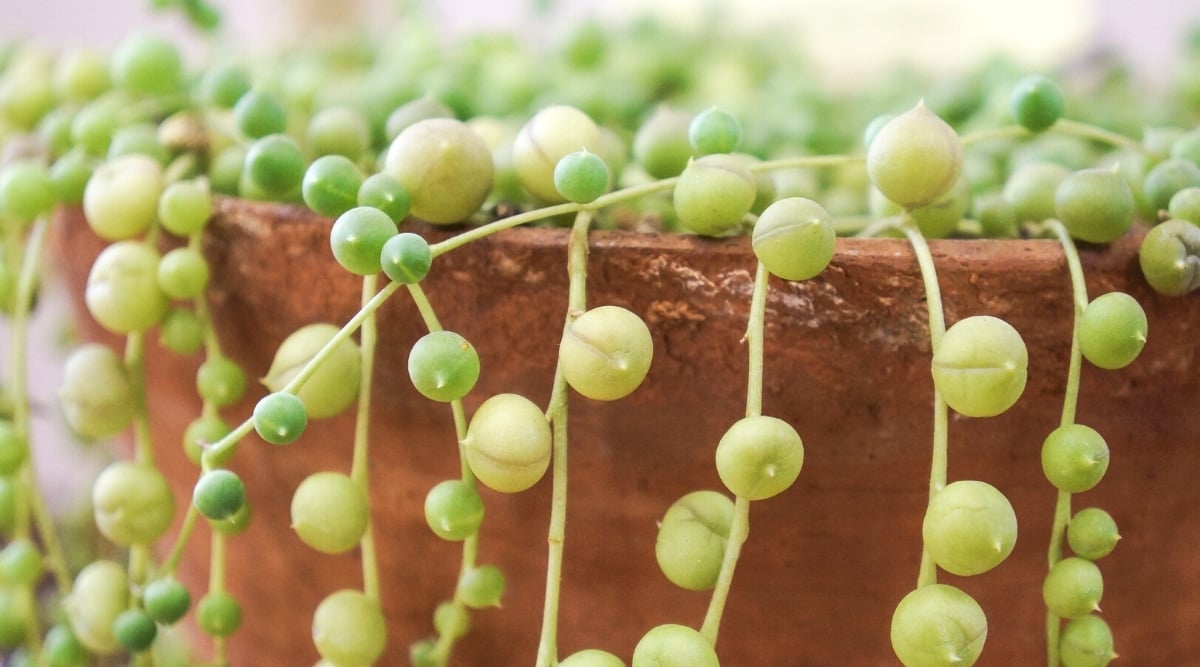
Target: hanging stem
x: 1098, y: 134
x: 54, y: 558
x: 1080, y: 300
x: 231, y: 439
x: 806, y: 161
x: 135, y: 367
x: 1066, y: 126
x: 577, y: 253
x: 754, y: 341
x: 359, y: 467
x: 470, y: 548
x: 1062, y: 504
x: 216, y: 584
x: 739, y: 527
x: 941, y: 416
x: 171, y: 563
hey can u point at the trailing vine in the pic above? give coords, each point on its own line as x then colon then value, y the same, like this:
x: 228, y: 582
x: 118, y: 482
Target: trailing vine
x: 143, y: 152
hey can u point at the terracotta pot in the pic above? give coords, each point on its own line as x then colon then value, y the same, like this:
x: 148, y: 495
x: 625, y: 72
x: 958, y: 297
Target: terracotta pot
x: 847, y: 364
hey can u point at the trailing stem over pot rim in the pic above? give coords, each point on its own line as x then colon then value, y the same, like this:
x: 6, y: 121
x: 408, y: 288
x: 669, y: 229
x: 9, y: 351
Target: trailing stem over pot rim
x: 592, y: 244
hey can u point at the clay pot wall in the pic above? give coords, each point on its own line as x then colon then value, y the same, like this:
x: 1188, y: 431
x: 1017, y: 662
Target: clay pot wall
x: 847, y: 363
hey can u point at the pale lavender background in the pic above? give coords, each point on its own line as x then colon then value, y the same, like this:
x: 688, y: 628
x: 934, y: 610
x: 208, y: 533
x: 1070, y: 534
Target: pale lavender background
x: 1147, y: 30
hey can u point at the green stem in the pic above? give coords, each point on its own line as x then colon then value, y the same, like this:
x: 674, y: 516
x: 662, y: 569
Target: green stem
x: 54, y: 557
x: 212, y: 344
x: 143, y: 446
x: 755, y: 342
x: 535, y: 215
x: 1006, y: 132
x: 139, y: 564
x: 424, y: 307
x: 135, y: 367
x: 577, y: 253
x: 500, y: 225
x: 739, y: 528
x: 1098, y: 134
x: 470, y: 548
x: 941, y: 417
x: 31, y: 503
x: 231, y: 439
x: 1063, y: 126
x: 1062, y: 505
x: 1080, y: 301
x: 359, y: 469
x: 171, y: 563
x: 1062, y: 516
x: 624, y: 194
x: 18, y: 378
x: 216, y: 584
x: 460, y: 431
x: 806, y: 162
x: 877, y: 227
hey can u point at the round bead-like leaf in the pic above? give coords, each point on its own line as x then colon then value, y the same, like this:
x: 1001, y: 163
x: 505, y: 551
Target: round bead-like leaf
x: 980, y: 366
x: 673, y: 645
x: 1086, y: 641
x: 581, y: 177
x: 552, y: 133
x: 454, y: 510
x: 280, y: 418
x: 100, y: 593
x: 443, y: 366
x: 219, y: 614
x: 914, y: 158
x: 1036, y: 103
x: 120, y: 200
x: 330, y: 512
x: 334, y: 385
x: 606, y: 353
x: 1092, y: 533
x: 132, y: 503
x: 357, y: 239
x: 1095, y: 205
x: 406, y: 258
x: 969, y: 527
x: 1073, y: 588
x: 331, y: 184
x: 219, y: 494
x: 481, y: 586
x: 591, y: 657
x: 166, y: 600
x: 349, y: 629
x: 508, y: 443
x: 794, y: 238
x: 1170, y: 257
x: 445, y: 167
x: 96, y: 395
x: 1074, y: 458
x: 759, y: 457
x: 713, y: 194
x: 1112, y: 331
x: 938, y: 626
x: 691, y: 539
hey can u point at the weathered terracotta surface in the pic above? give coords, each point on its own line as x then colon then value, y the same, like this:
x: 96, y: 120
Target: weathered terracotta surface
x: 847, y: 364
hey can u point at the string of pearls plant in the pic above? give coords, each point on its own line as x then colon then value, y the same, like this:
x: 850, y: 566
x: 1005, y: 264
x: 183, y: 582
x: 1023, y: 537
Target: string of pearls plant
x: 143, y: 144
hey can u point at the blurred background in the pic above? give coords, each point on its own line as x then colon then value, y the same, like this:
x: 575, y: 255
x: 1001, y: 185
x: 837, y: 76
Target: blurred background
x: 848, y: 39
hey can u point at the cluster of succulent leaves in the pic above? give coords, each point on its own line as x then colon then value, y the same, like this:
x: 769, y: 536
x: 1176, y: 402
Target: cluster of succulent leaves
x: 495, y: 134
